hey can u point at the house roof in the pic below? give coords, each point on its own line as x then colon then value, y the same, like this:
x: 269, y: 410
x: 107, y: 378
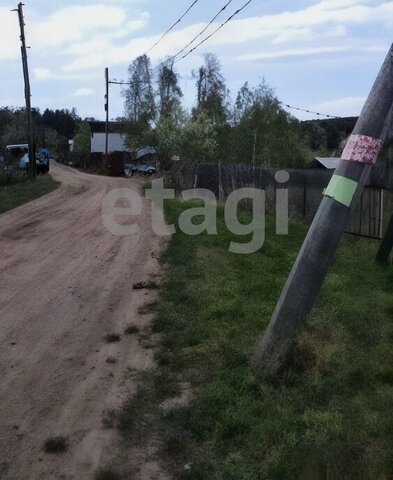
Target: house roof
x: 97, y: 126
x: 330, y: 163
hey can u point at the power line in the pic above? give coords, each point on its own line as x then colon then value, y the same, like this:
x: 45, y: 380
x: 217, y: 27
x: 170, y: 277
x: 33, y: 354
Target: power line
x: 215, y: 31
x: 119, y: 83
x: 202, y: 31
x: 309, y: 111
x: 173, y: 26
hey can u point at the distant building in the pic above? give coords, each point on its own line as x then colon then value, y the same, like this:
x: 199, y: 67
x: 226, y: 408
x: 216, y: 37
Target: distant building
x: 116, y: 140
x: 327, y: 163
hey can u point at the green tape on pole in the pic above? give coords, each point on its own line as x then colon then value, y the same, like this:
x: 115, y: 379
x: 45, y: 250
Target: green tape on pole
x: 341, y: 189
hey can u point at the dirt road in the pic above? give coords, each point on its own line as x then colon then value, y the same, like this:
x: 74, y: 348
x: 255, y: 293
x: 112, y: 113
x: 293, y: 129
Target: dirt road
x: 65, y: 282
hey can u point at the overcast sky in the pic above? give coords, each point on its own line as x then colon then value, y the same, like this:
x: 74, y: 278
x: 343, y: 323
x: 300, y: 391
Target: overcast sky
x: 319, y: 55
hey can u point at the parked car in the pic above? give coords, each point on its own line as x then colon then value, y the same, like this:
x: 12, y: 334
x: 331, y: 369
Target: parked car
x: 41, y: 157
x: 132, y: 168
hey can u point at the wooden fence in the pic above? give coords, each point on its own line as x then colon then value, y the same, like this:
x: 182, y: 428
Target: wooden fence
x: 305, y: 190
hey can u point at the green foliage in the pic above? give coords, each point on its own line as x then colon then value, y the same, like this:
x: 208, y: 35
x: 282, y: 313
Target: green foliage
x: 168, y: 136
x: 328, y: 135
x: 211, y: 90
x: 140, y: 105
x: 279, y: 142
x: 198, y: 142
x: 331, y: 413
x: 22, y: 191
x: 64, y: 122
x: 193, y: 139
x: 209, y: 135
x: 82, y: 140
x: 52, y: 128
x: 169, y: 91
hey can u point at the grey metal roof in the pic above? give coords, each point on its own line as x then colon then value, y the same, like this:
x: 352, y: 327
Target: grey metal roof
x: 330, y: 163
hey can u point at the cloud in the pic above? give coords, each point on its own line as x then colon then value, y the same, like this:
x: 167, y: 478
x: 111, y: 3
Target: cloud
x: 74, y: 23
x: 292, y: 53
x: 83, y: 92
x: 344, y: 107
x: 9, y: 34
x: 42, y: 74
x: 325, y: 21
x: 74, y: 26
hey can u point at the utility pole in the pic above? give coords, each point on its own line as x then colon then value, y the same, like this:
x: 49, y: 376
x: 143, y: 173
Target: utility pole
x: 29, y: 118
x: 316, y: 255
x: 107, y: 114
x: 107, y: 83
x: 254, y: 150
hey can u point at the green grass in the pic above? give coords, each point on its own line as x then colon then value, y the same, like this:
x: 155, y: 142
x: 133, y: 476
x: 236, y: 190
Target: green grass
x: 23, y: 191
x: 332, y: 412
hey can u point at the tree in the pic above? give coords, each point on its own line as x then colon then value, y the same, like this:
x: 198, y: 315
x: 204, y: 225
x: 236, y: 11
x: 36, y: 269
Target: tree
x: 243, y: 103
x: 169, y: 132
x: 211, y: 90
x: 65, y: 122
x: 198, y: 143
x: 169, y: 91
x: 82, y: 140
x: 139, y: 105
x: 258, y: 112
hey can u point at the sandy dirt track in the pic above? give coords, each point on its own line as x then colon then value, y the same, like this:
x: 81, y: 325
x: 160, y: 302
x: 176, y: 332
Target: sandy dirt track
x: 65, y: 282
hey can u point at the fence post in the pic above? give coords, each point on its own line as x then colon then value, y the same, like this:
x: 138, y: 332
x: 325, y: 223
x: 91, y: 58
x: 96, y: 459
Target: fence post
x: 320, y: 245
x: 386, y: 246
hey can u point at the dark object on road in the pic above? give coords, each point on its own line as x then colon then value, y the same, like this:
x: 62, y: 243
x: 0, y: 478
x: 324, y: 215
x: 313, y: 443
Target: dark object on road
x: 139, y: 286
x: 112, y: 338
x: 55, y: 445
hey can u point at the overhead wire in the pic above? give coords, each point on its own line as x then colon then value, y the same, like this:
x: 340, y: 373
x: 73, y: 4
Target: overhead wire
x: 173, y: 26
x: 202, y: 31
x: 214, y: 32
x: 309, y: 111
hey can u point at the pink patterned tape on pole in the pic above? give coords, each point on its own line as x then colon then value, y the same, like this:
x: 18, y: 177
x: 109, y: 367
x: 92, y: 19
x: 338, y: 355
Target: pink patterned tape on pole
x: 361, y: 148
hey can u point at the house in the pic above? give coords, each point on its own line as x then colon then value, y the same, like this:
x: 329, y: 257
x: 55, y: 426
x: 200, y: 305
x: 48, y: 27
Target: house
x: 116, y: 139
x: 326, y: 163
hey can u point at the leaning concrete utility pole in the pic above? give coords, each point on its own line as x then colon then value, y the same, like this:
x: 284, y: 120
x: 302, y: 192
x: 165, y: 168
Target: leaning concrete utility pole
x: 32, y: 171
x: 323, y: 238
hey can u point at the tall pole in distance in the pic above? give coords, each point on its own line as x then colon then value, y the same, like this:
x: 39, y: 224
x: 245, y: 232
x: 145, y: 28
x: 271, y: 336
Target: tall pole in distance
x: 323, y: 238
x: 107, y: 114
x: 254, y: 150
x: 29, y: 118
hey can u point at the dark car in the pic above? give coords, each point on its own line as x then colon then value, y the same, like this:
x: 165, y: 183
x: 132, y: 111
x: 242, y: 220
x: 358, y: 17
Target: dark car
x: 132, y: 168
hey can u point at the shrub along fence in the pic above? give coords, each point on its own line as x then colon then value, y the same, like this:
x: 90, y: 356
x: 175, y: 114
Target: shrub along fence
x: 305, y: 190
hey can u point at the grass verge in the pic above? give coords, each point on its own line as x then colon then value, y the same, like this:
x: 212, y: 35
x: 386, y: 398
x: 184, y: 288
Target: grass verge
x: 14, y: 195
x: 330, y: 417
